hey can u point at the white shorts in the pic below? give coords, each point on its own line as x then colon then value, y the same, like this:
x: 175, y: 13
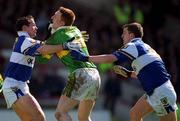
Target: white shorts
x: 13, y: 90
x: 163, y: 99
x: 83, y: 84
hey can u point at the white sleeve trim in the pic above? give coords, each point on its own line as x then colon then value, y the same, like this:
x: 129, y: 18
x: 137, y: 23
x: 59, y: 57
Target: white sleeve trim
x: 131, y: 49
x: 28, y: 42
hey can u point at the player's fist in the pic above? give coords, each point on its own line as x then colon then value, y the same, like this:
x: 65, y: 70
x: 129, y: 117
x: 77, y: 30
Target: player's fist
x: 122, y: 71
x: 71, y: 45
x: 79, y: 56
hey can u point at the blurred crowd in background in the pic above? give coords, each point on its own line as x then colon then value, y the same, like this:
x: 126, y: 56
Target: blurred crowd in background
x: 102, y: 19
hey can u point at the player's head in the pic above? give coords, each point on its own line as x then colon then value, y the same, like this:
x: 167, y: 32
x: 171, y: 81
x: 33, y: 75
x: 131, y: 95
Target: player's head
x: 130, y: 31
x: 27, y: 24
x: 63, y: 17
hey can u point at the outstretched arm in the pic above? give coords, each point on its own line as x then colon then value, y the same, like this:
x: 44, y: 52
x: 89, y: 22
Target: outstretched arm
x: 48, y: 49
x: 106, y: 58
x: 36, y: 48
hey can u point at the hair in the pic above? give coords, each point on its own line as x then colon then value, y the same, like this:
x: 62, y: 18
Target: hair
x: 68, y: 16
x: 25, y: 20
x: 134, y: 28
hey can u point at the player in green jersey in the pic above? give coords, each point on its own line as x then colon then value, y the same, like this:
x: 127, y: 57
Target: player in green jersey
x: 84, y: 80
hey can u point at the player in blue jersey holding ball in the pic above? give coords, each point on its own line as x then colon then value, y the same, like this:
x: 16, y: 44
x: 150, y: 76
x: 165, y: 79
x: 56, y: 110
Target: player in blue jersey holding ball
x: 19, y: 69
x: 148, y: 67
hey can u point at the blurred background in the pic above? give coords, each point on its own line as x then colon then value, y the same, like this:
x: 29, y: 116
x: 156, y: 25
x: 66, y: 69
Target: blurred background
x: 102, y: 19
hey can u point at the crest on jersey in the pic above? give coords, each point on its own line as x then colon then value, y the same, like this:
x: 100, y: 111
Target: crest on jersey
x: 30, y: 61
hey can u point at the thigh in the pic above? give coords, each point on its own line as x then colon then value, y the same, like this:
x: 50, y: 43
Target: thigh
x: 85, y: 108
x: 27, y: 107
x: 13, y: 90
x: 142, y: 107
x: 65, y: 104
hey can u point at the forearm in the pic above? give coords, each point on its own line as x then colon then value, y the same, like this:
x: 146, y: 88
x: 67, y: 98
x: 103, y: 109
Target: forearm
x: 48, y: 49
x: 106, y: 58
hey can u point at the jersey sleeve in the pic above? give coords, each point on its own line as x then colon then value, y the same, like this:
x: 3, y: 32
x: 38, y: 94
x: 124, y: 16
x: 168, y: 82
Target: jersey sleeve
x: 30, y: 46
x: 126, y: 53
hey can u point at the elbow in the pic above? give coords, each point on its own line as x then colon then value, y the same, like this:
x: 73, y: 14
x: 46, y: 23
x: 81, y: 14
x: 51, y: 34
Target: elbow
x: 42, y: 50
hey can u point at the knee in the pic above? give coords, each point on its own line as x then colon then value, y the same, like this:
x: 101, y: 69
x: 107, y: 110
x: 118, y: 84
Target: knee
x: 134, y: 115
x: 40, y: 117
x: 83, y: 118
x: 57, y: 115
x: 60, y: 116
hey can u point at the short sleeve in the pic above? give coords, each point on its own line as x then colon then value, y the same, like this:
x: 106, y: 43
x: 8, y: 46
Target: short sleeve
x: 126, y: 53
x: 30, y: 46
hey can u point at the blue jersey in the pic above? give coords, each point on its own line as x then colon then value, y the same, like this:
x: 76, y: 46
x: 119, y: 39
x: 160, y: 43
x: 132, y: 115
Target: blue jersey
x: 22, y: 58
x: 146, y: 63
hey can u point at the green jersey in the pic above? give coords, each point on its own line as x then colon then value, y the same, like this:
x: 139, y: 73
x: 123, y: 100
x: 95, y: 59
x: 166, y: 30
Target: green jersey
x: 61, y: 36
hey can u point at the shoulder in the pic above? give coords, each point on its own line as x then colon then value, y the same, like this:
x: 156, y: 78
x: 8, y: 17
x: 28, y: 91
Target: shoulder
x: 31, y: 41
x: 129, y: 48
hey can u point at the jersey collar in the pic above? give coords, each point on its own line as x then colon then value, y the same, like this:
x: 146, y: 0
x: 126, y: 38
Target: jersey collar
x: 62, y: 27
x: 23, y: 33
x: 135, y: 39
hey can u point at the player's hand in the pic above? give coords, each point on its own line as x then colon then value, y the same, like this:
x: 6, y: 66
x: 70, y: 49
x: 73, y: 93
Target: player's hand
x: 122, y: 71
x: 71, y: 45
x: 85, y: 35
x: 1, y: 82
x: 79, y: 56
